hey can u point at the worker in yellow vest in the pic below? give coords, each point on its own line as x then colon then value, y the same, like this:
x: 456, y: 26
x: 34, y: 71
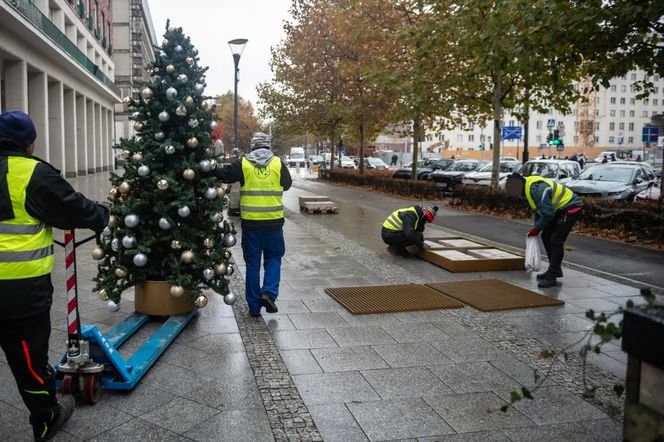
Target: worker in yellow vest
x: 263, y: 178
x: 556, y: 209
x: 405, y: 227
x: 33, y: 199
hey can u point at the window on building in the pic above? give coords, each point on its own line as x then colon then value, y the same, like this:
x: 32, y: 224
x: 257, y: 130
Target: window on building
x: 632, y: 88
x: 633, y: 76
x: 596, y: 125
x: 612, y: 100
x: 622, y: 113
x: 623, y: 88
x: 655, y: 90
x: 614, y: 88
x: 471, y: 138
x: 538, y: 124
x: 646, y: 101
x: 655, y: 102
x: 471, y: 126
x: 576, y: 139
x: 623, y: 100
x: 612, y: 140
x: 645, y: 114
x: 632, y: 101
x: 631, y: 113
x: 612, y: 126
x: 459, y: 138
x: 596, y: 139
x: 612, y: 113
x: 511, y: 123
x: 621, y: 126
x: 631, y: 127
x: 630, y: 140
x: 655, y: 77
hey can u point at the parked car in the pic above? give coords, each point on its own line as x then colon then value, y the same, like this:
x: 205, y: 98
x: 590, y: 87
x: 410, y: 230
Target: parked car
x: 440, y: 164
x: 405, y: 171
x: 347, y: 163
x: 509, y: 159
x: 482, y: 176
x: 453, y: 176
x: 558, y: 170
x: 374, y: 163
x: 619, y: 181
x: 653, y: 193
x: 316, y: 160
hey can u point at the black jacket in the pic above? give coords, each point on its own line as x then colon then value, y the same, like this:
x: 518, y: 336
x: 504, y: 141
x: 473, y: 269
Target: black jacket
x: 233, y: 174
x: 51, y: 199
x: 411, y: 234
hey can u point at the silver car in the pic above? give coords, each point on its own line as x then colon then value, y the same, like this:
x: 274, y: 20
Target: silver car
x: 618, y: 181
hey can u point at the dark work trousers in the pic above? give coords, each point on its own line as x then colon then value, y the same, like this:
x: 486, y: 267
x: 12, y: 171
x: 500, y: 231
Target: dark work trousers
x: 398, y: 239
x: 267, y: 244
x: 554, y: 236
x: 25, y: 343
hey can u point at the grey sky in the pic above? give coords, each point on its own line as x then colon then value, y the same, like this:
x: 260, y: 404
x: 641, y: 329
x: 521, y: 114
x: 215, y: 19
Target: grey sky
x: 212, y: 23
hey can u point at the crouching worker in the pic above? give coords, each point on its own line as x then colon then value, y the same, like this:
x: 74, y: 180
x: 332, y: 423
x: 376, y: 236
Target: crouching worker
x: 405, y: 227
x: 557, y: 209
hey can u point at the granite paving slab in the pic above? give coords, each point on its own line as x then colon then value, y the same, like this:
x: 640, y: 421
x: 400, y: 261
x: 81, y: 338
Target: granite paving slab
x: 602, y: 430
x: 336, y: 423
x: 317, y: 320
x: 138, y: 430
x: 348, y: 358
x: 142, y: 399
x: 360, y: 335
x: 469, y: 377
x: 234, y: 426
x: 326, y: 388
x: 279, y: 322
x: 228, y: 393
x: 411, y: 382
x: 179, y: 415
x: 410, y: 355
x: 303, y: 339
x: 463, y: 350
x: 416, y: 332
x: 480, y: 436
x: 300, y: 362
x: 92, y: 420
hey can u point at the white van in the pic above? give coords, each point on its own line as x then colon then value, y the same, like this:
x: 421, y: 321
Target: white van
x: 297, y: 158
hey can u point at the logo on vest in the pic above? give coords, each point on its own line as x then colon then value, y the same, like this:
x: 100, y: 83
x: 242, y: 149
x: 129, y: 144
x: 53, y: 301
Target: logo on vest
x: 262, y: 172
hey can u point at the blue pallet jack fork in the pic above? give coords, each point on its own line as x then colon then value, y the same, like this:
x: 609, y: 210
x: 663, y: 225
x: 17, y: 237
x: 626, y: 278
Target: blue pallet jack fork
x: 92, y: 360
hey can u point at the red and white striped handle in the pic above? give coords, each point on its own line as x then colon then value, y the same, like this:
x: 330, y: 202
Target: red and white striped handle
x: 72, y: 299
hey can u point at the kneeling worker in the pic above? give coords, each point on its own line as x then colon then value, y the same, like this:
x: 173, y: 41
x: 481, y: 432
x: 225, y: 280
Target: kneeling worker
x: 557, y: 209
x: 405, y: 227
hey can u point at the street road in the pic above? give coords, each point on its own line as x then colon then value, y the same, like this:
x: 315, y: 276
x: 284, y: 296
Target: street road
x: 611, y: 257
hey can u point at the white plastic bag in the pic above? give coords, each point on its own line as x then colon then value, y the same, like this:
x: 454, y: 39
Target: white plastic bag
x: 533, y: 254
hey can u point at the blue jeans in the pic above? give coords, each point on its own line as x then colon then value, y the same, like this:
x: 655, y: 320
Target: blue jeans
x: 270, y: 245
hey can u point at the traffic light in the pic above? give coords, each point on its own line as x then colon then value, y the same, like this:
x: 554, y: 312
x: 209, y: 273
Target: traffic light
x: 556, y: 137
x: 549, y: 138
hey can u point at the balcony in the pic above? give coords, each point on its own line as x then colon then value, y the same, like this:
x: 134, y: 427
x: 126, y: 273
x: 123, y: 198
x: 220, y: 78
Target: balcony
x: 32, y: 14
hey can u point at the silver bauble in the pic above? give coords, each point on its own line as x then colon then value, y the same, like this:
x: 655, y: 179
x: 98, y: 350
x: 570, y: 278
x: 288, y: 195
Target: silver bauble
x: 201, y: 79
x: 128, y: 242
x: 176, y: 245
x: 140, y: 260
x: 187, y: 256
x: 188, y: 174
x: 112, y: 307
x: 131, y: 220
x: 164, y: 224
x: 182, y: 78
x: 192, y: 142
x: 165, y: 42
x: 98, y: 253
x: 164, y: 116
x: 163, y: 55
x: 201, y: 301
x: 227, y: 254
x: 213, y: 164
x: 171, y: 93
x: 170, y: 68
x: 189, y: 101
x: 177, y: 291
x: 162, y: 184
x: 147, y: 93
x: 181, y: 111
x: 208, y: 274
x: 230, y: 298
x: 213, y: 125
x: 138, y: 126
x: 159, y: 136
x: 107, y: 232
x: 120, y: 272
x: 230, y: 270
x: 211, y: 193
x: 135, y: 115
x: 115, y: 244
x: 229, y: 240
x: 143, y: 170
x: 195, y: 52
x: 124, y: 187
x: 215, y: 217
x: 220, y: 269
x: 178, y: 48
x: 184, y: 211
x: 193, y: 123
x: 170, y: 150
x: 190, y: 61
x: 103, y: 296
x: 199, y: 88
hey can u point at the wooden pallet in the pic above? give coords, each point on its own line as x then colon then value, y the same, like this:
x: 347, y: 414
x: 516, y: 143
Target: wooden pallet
x: 318, y: 205
x: 312, y: 210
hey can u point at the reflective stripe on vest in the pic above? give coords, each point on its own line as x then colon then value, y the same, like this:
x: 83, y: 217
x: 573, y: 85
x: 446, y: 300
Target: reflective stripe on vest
x: 26, y: 244
x: 560, y: 194
x: 261, y: 193
x: 394, y: 222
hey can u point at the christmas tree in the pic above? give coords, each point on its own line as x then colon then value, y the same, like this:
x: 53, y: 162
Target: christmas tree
x: 167, y: 221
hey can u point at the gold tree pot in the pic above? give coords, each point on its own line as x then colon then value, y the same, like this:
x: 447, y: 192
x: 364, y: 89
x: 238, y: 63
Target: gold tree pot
x: 154, y: 298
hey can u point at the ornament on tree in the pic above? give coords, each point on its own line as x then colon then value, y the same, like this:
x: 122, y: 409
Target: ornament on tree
x: 164, y: 116
x: 213, y: 164
x: 221, y: 190
x: 126, y: 102
x: 230, y: 270
x: 215, y: 217
x: 164, y: 224
x: 115, y: 244
x: 131, y: 220
x: 152, y: 72
x: 138, y: 156
x: 98, y: 253
x: 208, y: 274
x: 189, y: 101
x: 182, y: 78
x: 107, y: 232
x: 199, y: 88
x: 184, y: 211
x: 135, y: 115
x: 211, y: 193
x: 140, y: 259
x: 181, y: 111
x: 165, y: 42
x: 113, y: 192
x: 143, y: 171
x: 230, y: 298
x: 102, y: 295
x: 213, y: 125
x: 124, y: 187
x: 177, y: 291
x: 120, y: 272
x: 163, y: 55
x: 227, y: 254
x: 138, y: 126
x: 205, y: 105
x: 205, y: 165
x: 208, y: 243
x: 193, y: 123
x: 171, y: 93
x: 128, y: 242
x: 192, y: 142
x: 178, y: 48
x: 162, y: 184
x: 220, y: 269
x: 187, y: 257
x: 112, y: 307
x: 176, y: 245
x: 170, y: 68
x: 201, y: 301
x: 229, y: 240
x: 125, y: 154
x: 147, y: 93
x: 190, y: 61
x: 170, y: 149
x: 159, y: 136
x: 201, y: 79
x: 188, y: 174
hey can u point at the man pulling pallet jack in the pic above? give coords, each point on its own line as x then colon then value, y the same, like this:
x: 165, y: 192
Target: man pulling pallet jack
x: 405, y: 227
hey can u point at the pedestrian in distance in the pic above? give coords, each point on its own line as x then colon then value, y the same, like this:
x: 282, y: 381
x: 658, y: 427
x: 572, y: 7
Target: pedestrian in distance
x: 393, y: 162
x: 405, y: 227
x: 605, y: 160
x: 556, y: 209
x: 581, y: 160
x: 263, y: 178
x: 34, y: 198
x: 613, y: 157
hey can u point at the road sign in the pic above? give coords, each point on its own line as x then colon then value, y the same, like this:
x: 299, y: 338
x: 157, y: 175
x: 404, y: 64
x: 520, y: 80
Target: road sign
x: 560, y: 147
x: 620, y: 141
x: 551, y: 123
x: 512, y: 133
x: 650, y: 134
x: 542, y: 146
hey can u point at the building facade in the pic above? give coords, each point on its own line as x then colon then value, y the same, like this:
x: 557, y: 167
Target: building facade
x: 134, y: 39
x: 55, y: 64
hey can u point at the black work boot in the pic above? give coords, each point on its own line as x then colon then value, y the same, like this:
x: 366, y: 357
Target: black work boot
x: 549, y: 281
x: 545, y: 275
x: 46, y: 430
x: 268, y: 303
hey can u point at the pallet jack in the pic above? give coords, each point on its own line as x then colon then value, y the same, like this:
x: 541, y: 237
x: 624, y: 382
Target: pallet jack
x: 92, y: 361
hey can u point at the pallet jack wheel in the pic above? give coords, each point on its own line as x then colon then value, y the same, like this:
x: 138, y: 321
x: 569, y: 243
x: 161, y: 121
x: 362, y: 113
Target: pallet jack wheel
x: 67, y: 384
x: 91, y: 388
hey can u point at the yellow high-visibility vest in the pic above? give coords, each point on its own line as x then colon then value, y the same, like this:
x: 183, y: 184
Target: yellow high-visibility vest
x: 26, y: 243
x: 560, y: 194
x: 394, y: 222
x: 261, y: 194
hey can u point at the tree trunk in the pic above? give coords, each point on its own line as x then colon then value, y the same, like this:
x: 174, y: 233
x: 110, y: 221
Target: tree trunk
x: 332, y: 141
x: 416, y: 143
x: 361, y: 148
x: 497, y: 113
x: 526, y: 127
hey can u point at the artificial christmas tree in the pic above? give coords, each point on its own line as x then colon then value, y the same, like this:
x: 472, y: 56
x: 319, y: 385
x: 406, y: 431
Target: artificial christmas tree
x: 167, y: 222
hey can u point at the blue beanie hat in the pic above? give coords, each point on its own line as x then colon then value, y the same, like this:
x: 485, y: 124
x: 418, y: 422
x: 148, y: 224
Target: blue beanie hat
x: 18, y: 128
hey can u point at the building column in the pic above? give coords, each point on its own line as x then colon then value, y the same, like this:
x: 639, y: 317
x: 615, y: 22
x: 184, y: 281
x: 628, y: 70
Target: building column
x: 38, y: 110
x: 111, y: 139
x: 104, y: 139
x: 81, y: 135
x: 99, y: 156
x: 56, y: 125
x: 90, y: 147
x: 16, y: 85
x: 71, y: 139
x: 58, y: 19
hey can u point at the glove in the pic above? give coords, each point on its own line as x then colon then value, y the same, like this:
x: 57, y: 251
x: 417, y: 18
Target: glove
x: 533, y: 231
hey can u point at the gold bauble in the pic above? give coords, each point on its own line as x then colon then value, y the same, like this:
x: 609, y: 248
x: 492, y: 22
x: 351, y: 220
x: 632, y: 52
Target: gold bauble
x: 124, y: 187
x: 120, y: 272
x: 98, y: 253
x: 126, y: 102
x: 177, y: 291
x: 165, y: 42
x: 113, y: 221
x: 138, y: 156
x: 176, y: 245
x: 125, y: 154
x: 151, y: 72
x: 113, y: 192
x: 201, y: 301
x: 221, y: 191
x: 187, y: 256
x: 220, y: 269
x: 209, y: 151
x: 181, y: 111
x: 147, y: 93
x: 188, y: 174
x: 227, y: 254
x: 192, y: 142
x: 208, y: 243
x: 138, y: 126
x: 205, y: 105
x: 189, y: 101
x: 170, y: 68
x: 103, y: 296
x: 162, y: 184
x: 190, y: 61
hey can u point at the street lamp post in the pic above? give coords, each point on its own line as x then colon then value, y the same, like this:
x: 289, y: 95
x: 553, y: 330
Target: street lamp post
x: 237, y: 46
